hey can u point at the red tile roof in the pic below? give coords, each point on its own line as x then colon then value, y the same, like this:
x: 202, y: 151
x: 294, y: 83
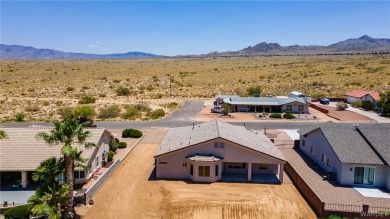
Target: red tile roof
x: 362, y: 93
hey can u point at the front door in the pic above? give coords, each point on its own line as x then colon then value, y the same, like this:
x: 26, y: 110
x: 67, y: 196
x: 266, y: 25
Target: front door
x: 364, y: 175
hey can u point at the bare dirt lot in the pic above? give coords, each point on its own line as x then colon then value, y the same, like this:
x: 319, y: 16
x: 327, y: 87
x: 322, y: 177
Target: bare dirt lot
x: 346, y: 115
x: 129, y: 193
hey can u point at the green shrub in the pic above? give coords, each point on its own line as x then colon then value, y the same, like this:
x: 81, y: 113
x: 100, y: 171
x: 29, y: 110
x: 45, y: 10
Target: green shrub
x: 367, y: 105
x: 171, y: 105
x: 143, y: 107
x: 112, y: 111
x: 254, y: 90
x: 84, y: 111
x: 341, y: 106
x: 69, y: 89
x: 87, y: 100
x: 276, y: 115
x: 18, y: 212
x: 65, y: 112
x: 131, y: 113
x: 122, y: 91
x: 114, y: 146
x: 131, y: 133
x: 356, y: 104
x: 334, y: 216
x: 288, y: 116
x: 110, y: 156
x: 19, y: 117
x: 156, y: 114
x: 122, y: 145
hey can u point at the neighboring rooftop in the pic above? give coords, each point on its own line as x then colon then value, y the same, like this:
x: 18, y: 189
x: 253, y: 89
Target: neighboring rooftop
x: 264, y: 101
x: 349, y: 145
x: 362, y: 93
x: 21, y: 150
x: 183, y: 137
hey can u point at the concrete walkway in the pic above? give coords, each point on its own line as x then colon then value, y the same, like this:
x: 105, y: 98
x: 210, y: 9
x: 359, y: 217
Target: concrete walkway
x: 17, y: 197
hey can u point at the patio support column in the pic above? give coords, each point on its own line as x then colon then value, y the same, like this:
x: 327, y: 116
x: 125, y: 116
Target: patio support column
x: 281, y: 170
x: 249, y: 171
x: 24, y: 179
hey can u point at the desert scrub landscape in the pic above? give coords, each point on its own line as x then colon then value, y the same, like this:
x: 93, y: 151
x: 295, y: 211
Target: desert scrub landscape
x: 40, y: 88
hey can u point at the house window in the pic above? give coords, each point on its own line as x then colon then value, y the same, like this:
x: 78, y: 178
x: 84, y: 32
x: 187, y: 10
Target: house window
x: 60, y: 178
x: 236, y: 165
x: 300, y: 107
x: 204, y: 171
x: 161, y: 162
x: 323, y: 158
x: 364, y: 175
x: 97, y: 161
x: 184, y: 164
x: 79, y: 174
x: 89, y: 168
x: 303, y: 142
x: 263, y: 166
x: 327, y: 162
x: 289, y: 107
x: 312, y: 150
x: 191, y: 170
x: 216, y: 170
x: 219, y: 145
x: 76, y: 174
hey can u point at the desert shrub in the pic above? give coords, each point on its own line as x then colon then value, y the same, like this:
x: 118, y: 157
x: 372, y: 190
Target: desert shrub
x: 254, y: 90
x: 341, y: 106
x: 122, y: 145
x: 171, y: 105
x: 131, y: 113
x: 366, y: 104
x: 18, y: 212
x: 288, y: 116
x: 384, y: 103
x: 276, y: 115
x: 87, y: 100
x: 156, y: 114
x: 112, y: 111
x: 122, y: 91
x: 32, y: 108
x: 69, y: 89
x: 84, y: 111
x: 356, y: 104
x: 143, y: 107
x: 46, y: 103
x: 65, y: 112
x: 131, y: 133
x: 158, y: 96
x: 110, y: 156
x: 102, y: 95
x: 19, y: 117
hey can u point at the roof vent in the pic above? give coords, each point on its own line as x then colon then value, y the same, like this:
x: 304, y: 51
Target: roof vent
x: 355, y: 127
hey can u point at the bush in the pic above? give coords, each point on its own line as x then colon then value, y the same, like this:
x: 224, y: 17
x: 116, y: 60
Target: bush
x: 131, y: 113
x: 341, y: 106
x: 143, y: 107
x: 122, y: 145
x: 32, y: 108
x: 288, y: 116
x: 122, y: 91
x: 19, y: 117
x: 356, y: 104
x: 112, y: 111
x: 69, y: 89
x: 87, y: 100
x: 131, y: 133
x: 276, y: 115
x: 254, y: 90
x: 65, y: 112
x: 156, y: 114
x: 84, y: 111
x: 110, y: 156
x: 114, y: 146
x: 18, y: 212
x: 171, y: 105
x: 367, y: 105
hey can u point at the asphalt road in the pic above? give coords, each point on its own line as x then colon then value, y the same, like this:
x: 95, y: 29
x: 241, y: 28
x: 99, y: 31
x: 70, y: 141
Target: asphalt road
x: 182, y: 117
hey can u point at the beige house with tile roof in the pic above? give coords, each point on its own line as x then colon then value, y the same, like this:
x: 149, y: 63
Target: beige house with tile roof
x: 22, y: 152
x: 215, y: 151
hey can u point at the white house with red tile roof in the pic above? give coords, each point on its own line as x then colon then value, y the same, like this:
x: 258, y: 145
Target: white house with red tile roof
x: 362, y: 95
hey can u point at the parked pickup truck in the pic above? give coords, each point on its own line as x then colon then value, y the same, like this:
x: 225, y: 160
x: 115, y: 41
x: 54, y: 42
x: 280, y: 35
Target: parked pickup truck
x: 216, y: 109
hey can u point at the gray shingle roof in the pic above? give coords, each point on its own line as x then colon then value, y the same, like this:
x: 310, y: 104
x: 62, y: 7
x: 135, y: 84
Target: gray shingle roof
x: 21, y: 150
x: 265, y: 101
x: 183, y: 137
x: 379, y: 137
x: 348, y: 145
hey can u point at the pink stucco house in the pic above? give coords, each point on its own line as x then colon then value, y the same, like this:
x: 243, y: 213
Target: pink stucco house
x: 215, y: 151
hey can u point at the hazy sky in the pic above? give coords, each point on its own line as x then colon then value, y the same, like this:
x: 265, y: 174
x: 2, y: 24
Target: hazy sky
x: 187, y: 27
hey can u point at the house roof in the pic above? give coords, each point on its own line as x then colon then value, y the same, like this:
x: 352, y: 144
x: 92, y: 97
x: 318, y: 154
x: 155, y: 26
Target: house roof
x: 201, y: 158
x: 348, y: 145
x: 184, y: 137
x: 21, y: 150
x: 379, y: 138
x: 264, y: 101
x: 222, y: 96
x: 362, y: 93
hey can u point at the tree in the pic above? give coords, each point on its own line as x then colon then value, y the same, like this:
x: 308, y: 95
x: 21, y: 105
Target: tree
x: 366, y: 104
x: 48, y: 171
x: 3, y: 135
x: 67, y: 133
x: 226, y: 109
x: 254, y: 90
x: 50, y: 201
x: 384, y: 103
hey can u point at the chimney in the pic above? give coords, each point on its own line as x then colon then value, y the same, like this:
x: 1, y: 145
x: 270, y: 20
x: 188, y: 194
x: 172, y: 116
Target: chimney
x: 355, y: 127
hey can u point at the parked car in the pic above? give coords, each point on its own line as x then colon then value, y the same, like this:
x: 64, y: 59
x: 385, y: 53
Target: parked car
x: 216, y: 109
x: 324, y: 101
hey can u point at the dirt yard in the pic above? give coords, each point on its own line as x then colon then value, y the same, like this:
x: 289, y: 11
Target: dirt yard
x: 131, y: 192
x: 346, y: 115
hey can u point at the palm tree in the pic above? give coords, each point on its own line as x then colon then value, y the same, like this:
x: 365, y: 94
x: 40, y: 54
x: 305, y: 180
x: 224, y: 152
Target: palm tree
x: 48, y: 171
x: 3, y: 135
x: 49, y: 201
x: 67, y: 133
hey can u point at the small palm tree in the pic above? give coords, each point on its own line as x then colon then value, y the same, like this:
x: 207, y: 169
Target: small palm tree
x: 49, y: 201
x: 48, y: 171
x: 3, y: 135
x: 67, y: 133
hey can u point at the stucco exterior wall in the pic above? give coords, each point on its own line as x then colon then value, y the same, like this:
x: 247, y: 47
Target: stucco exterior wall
x: 379, y: 178
x: 295, y: 108
x: 366, y: 97
x: 97, y: 158
x: 321, y: 146
x: 388, y: 178
x: 272, y: 169
x: 170, y: 166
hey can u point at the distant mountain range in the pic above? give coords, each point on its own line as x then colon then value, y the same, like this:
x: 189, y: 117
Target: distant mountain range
x: 364, y: 44
x: 23, y: 52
